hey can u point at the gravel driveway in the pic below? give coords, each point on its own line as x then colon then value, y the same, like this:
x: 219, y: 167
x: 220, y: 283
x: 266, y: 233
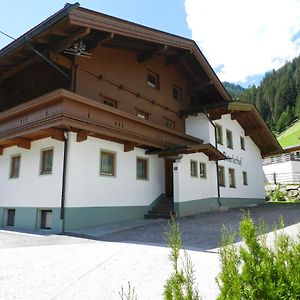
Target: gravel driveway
x: 65, y: 267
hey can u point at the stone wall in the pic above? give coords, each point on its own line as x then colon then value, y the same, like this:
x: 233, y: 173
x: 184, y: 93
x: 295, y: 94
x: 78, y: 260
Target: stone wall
x: 283, y: 192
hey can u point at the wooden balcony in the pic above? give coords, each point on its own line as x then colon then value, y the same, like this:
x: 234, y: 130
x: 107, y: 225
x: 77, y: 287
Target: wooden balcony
x: 51, y: 114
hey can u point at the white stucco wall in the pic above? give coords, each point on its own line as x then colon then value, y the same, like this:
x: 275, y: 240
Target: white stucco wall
x: 288, y: 171
x: 31, y: 189
x: 250, y: 157
x: 86, y: 188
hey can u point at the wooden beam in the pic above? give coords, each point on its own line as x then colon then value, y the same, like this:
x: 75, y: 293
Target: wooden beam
x: 23, y: 143
x: 176, y: 58
x: 82, y: 136
x: 129, y: 146
x: 56, y: 134
x: 58, y: 31
x: 146, y: 55
x: 105, y: 38
x: 68, y: 41
x: 60, y: 60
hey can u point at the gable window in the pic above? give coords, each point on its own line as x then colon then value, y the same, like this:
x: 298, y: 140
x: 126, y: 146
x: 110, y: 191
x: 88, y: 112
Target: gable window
x: 153, y: 80
x: 245, y: 178
x: 221, y: 176
x: 202, y: 170
x: 177, y: 93
x: 229, y: 139
x: 46, y: 219
x: 46, y: 161
x: 107, y: 163
x: 231, y: 173
x: 142, y: 168
x: 219, y: 134
x: 194, y: 168
x: 142, y: 114
x: 169, y: 123
x: 15, y: 166
x: 110, y: 102
x: 242, y: 139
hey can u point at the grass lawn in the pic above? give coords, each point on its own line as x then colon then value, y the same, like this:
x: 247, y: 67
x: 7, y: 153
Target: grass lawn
x: 291, y: 136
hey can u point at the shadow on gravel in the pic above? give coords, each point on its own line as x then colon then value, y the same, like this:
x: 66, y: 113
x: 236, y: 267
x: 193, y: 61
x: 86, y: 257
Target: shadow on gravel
x: 203, y: 231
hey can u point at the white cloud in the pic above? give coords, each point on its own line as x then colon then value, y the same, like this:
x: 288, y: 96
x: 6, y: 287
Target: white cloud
x: 247, y: 37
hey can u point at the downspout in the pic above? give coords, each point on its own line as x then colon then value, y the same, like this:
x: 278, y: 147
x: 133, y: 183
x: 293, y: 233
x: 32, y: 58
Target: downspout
x: 217, y: 162
x: 64, y: 175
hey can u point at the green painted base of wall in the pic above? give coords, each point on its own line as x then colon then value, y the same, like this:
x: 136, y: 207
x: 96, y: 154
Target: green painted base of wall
x: 193, y: 207
x: 27, y: 218
x: 81, y: 217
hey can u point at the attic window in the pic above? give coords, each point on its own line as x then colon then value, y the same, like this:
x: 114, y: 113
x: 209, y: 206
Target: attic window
x: 110, y: 102
x: 152, y: 80
x: 142, y: 114
x: 177, y: 93
x: 169, y: 123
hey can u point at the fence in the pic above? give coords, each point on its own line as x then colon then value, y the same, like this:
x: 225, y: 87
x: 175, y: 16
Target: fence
x: 277, y: 178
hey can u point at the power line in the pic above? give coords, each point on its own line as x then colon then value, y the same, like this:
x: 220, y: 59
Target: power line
x: 9, y: 36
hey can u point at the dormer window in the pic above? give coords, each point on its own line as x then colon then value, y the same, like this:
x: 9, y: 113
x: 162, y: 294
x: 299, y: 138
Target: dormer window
x: 152, y: 80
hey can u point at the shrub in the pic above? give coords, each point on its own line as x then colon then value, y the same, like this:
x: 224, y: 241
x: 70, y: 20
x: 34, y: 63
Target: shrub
x: 181, y: 284
x: 256, y: 271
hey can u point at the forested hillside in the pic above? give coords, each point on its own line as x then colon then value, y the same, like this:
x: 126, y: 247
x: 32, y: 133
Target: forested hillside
x: 277, y: 97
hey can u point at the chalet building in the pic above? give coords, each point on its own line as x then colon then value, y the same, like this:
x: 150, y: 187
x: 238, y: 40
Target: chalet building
x: 283, y: 168
x: 104, y: 120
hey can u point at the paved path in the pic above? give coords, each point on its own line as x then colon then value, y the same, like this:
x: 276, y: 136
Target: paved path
x: 67, y: 267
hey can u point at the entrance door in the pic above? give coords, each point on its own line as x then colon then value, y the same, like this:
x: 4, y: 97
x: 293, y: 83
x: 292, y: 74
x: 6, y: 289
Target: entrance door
x: 169, y: 176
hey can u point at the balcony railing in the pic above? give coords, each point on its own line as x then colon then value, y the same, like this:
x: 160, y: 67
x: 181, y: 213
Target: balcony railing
x: 294, y: 156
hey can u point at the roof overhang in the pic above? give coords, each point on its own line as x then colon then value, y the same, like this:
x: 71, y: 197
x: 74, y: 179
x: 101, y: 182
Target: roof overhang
x: 209, y: 150
x: 249, y: 119
x: 61, y: 30
x: 292, y: 149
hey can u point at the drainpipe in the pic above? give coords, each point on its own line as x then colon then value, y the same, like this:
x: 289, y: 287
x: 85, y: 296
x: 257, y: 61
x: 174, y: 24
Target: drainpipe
x: 64, y: 174
x: 217, y: 162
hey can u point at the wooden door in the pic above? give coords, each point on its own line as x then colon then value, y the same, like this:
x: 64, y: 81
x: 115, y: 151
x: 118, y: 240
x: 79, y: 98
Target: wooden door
x: 169, y: 176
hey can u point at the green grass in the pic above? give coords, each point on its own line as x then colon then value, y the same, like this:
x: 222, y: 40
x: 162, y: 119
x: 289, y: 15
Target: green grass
x: 290, y: 137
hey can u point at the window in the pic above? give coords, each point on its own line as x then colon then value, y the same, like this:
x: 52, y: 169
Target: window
x: 153, y: 80
x: 169, y: 123
x: 177, y: 93
x: 242, y: 143
x: 110, y: 102
x: 245, y: 178
x: 10, y: 221
x: 194, y: 168
x: 231, y: 178
x: 107, y: 163
x: 141, y: 168
x: 221, y: 176
x: 15, y: 166
x: 219, y: 134
x: 229, y: 139
x: 202, y: 170
x: 142, y: 115
x: 46, y: 219
x: 46, y: 161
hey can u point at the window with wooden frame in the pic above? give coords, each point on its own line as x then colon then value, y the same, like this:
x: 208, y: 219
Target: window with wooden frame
x: 107, y: 163
x: 110, y: 102
x: 46, y: 219
x: 219, y: 134
x: 142, y: 114
x: 221, y: 176
x: 229, y: 140
x: 169, y: 123
x: 231, y: 174
x: 194, y: 168
x: 245, y: 178
x: 46, y: 161
x: 142, y: 168
x: 15, y: 162
x: 202, y: 167
x: 242, y: 140
x: 152, y: 80
x: 177, y: 93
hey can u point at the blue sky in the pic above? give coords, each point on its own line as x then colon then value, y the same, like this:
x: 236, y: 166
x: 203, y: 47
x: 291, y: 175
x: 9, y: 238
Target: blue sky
x: 240, y: 41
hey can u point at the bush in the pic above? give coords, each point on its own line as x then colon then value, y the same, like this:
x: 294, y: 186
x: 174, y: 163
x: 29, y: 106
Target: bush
x: 181, y: 284
x: 256, y: 271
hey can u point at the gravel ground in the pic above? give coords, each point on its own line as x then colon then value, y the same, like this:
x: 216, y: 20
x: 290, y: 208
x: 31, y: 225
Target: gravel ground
x: 64, y: 267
